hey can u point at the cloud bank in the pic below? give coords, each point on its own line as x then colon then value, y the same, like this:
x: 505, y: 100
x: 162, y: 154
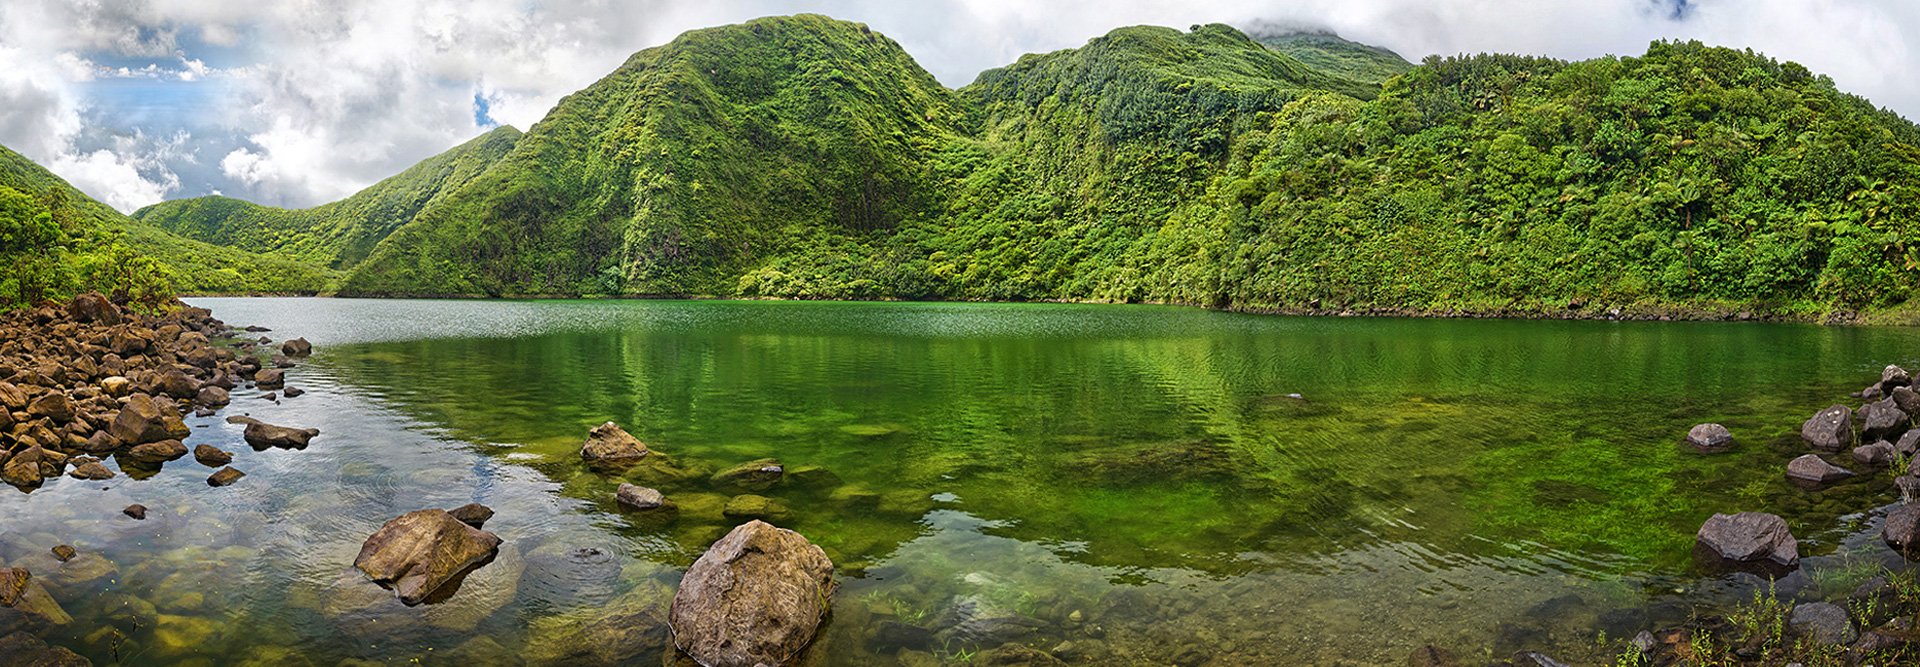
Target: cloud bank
x: 297, y: 104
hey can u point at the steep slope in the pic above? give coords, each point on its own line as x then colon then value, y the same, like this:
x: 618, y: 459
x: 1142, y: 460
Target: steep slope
x: 1084, y: 152
x: 338, y: 234
x: 693, y: 163
x: 55, y: 240
x: 1328, y: 52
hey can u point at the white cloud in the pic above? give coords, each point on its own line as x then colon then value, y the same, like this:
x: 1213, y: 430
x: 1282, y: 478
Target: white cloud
x: 327, y: 97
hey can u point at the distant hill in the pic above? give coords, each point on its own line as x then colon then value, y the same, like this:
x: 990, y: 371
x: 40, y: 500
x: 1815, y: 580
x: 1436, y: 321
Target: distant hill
x: 56, y: 240
x: 1330, y: 53
x: 804, y: 157
x: 340, y: 234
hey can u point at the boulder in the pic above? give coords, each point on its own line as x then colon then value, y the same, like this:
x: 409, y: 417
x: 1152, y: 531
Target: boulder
x: 1909, y: 487
x: 1709, y: 438
x: 1901, y: 530
x: 1906, y: 399
x: 144, y: 420
x: 212, y: 396
x: 1810, y: 469
x: 472, y: 514
x: 1749, y: 537
x: 92, y: 307
x: 27, y: 467
x: 292, y: 392
x: 1879, y: 453
x: 749, y: 506
x: 91, y: 470
x: 608, y: 443
x: 298, y: 347
x: 13, y: 584
x: 756, y: 597
x: 225, y: 476
x: 270, y: 378
x: 753, y: 476
x: 137, y: 511
x: 52, y: 405
x: 157, y: 452
x: 116, y: 386
x: 24, y: 649
x: 1908, y: 444
x: 263, y: 435
x: 211, y: 456
x: 1831, y: 429
x: 12, y: 397
x: 1823, y: 622
x: 417, y: 553
x: 1881, y: 420
x: 641, y: 499
x: 176, y: 384
x: 1894, y: 376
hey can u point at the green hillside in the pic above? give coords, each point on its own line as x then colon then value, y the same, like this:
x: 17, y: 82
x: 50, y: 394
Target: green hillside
x: 339, y: 234
x: 805, y: 157
x: 691, y: 164
x: 1327, y: 52
x: 55, y: 241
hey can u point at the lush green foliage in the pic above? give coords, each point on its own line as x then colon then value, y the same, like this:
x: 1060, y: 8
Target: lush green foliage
x: 806, y: 157
x: 1329, y: 53
x: 339, y: 234
x: 55, y: 241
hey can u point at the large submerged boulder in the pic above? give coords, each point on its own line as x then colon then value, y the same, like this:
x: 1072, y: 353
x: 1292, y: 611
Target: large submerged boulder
x: 1749, y: 538
x: 22, y: 648
x: 1812, y: 470
x: 1830, y: 429
x: 610, y: 444
x: 417, y: 553
x: 757, y: 475
x: 756, y: 597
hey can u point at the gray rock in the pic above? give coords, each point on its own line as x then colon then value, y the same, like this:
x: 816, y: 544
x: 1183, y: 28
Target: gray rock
x: 1881, y: 420
x: 1810, y: 469
x: 608, y: 443
x: 1823, y: 622
x: 1909, y: 487
x: 1880, y: 452
x: 1830, y: 429
x: 1908, y: 444
x: 1901, y: 530
x: 1709, y: 437
x: 753, y: 475
x: 1894, y: 376
x: 1749, y: 537
x: 1906, y: 399
x: 641, y: 499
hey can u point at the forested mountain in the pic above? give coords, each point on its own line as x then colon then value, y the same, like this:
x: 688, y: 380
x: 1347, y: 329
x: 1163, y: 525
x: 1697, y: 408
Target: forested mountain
x: 812, y: 158
x: 339, y: 234
x: 1327, y: 52
x: 55, y: 240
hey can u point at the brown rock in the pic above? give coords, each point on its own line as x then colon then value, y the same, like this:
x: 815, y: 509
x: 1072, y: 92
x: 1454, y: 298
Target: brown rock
x: 753, y: 475
x: 608, y: 443
x: 212, y: 396
x: 263, y: 435
x: 176, y: 384
x: 92, y: 307
x: 26, y: 650
x: 756, y: 597
x: 270, y: 378
x: 641, y: 499
x: 211, y: 456
x: 52, y: 405
x: 137, y: 511
x: 92, y: 470
x: 158, y: 452
x: 418, y: 552
x: 472, y: 514
x: 116, y: 386
x: 13, y: 584
x: 292, y: 392
x: 298, y: 347
x: 12, y: 397
x: 144, y: 419
x: 1431, y: 656
x: 64, y: 553
x: 225, y: 476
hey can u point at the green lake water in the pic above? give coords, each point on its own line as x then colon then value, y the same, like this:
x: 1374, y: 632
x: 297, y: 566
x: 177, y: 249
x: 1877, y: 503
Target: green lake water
x: 1138, y: 483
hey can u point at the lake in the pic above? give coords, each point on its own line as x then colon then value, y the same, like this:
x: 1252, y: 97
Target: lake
x: 1118, y: 484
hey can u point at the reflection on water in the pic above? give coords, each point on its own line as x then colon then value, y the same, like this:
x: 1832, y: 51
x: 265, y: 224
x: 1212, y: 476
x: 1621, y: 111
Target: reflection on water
x: 1118, y: 484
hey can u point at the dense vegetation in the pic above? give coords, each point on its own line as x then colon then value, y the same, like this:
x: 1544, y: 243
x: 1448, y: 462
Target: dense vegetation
x: 339, y: 234
x: 807, y: 157
x: 55, y: 241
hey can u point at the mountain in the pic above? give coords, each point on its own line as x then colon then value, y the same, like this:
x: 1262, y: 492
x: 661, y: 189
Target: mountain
x: 690, y: 164
x: 55, y: 241
x: 804, y: 157
x: 1328, y: 52
x: 339, y: 234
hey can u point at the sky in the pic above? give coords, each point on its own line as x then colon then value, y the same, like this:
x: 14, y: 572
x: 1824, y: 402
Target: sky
x: 300, y: 102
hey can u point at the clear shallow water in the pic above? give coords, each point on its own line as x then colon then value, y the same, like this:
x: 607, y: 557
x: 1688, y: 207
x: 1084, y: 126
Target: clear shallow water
x: 1477, y: 484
